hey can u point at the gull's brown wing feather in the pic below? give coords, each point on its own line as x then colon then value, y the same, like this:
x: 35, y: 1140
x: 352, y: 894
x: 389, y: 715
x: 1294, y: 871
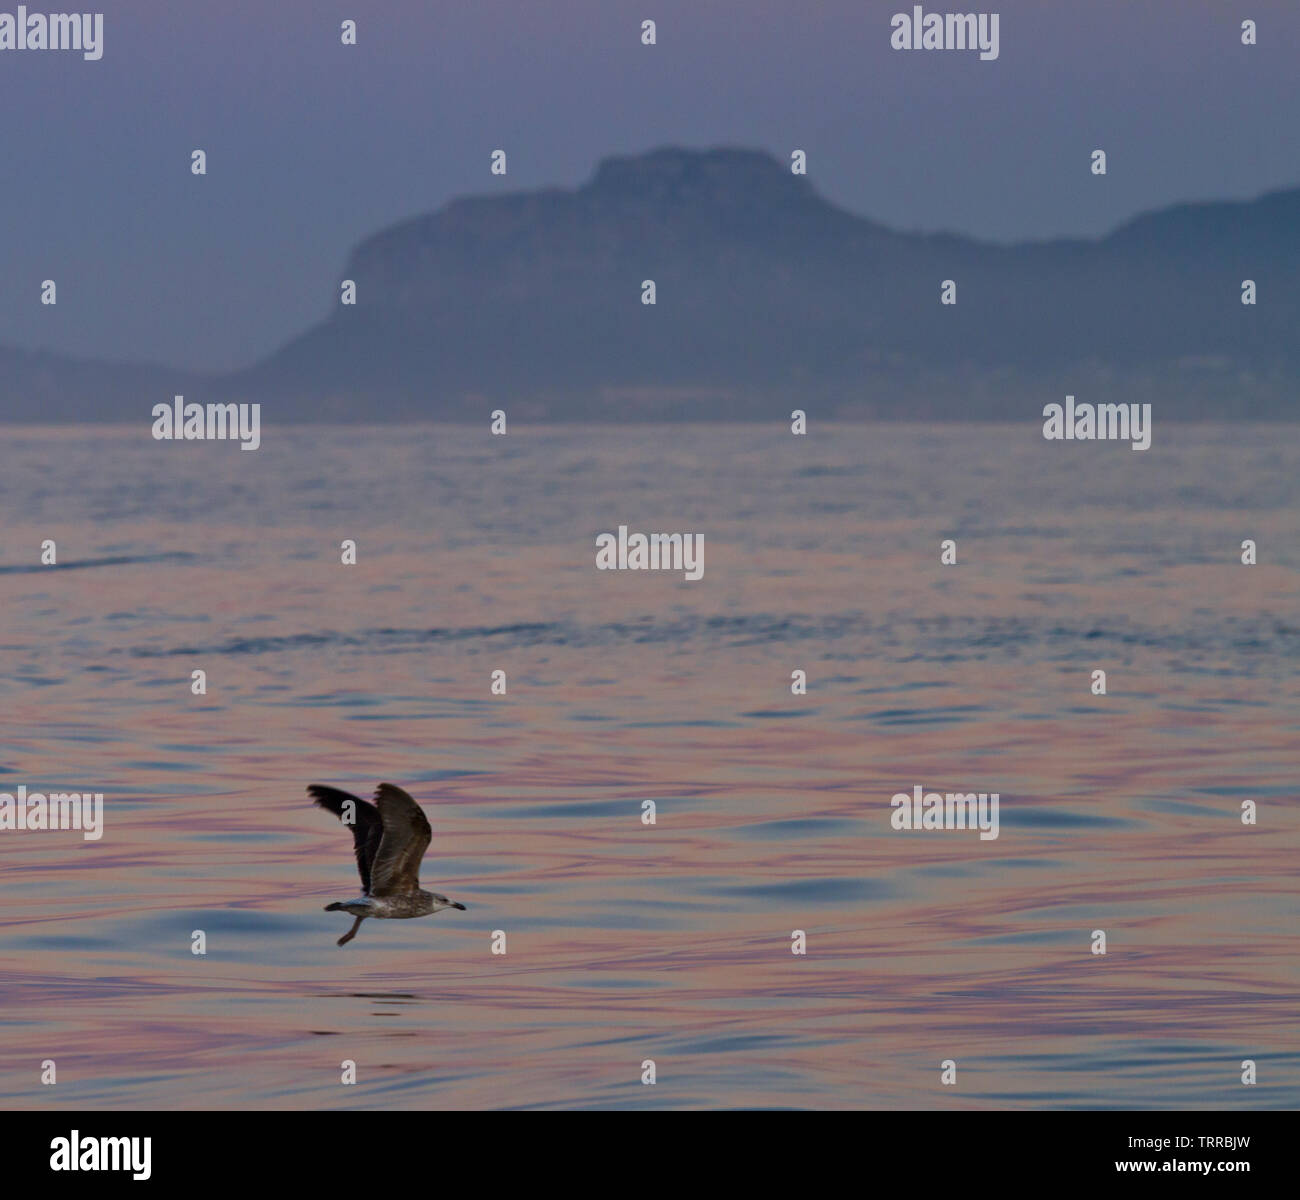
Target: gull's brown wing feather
x: 366, y: 827
x: 396, y: 868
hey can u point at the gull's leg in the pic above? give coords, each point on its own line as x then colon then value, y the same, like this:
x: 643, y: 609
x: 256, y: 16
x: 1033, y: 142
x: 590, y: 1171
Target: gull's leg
x: 351, y: 933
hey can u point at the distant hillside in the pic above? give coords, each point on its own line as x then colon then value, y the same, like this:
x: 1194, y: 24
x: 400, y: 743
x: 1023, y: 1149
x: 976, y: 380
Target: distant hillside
x: 768, y: 297
x: 39, y: 386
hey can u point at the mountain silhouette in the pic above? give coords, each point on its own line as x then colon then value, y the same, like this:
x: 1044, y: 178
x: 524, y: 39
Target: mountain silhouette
x: 768, y: 297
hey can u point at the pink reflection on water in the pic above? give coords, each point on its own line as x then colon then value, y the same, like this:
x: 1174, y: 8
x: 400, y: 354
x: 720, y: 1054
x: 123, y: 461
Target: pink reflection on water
x: 669, y: 941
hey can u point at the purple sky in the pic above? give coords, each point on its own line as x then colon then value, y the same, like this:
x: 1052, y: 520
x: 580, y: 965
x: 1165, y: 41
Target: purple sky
x: 312, y: 145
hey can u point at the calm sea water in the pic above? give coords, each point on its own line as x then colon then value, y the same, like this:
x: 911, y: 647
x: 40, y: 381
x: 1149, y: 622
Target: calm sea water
x: 668, y: 942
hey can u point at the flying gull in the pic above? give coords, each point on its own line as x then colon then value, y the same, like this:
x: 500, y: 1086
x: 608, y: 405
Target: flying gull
x: 389, y: 837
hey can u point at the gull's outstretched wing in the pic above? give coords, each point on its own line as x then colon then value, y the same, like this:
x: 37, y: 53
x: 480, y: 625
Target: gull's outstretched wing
x: 396, y: 868
x: 367, y: 827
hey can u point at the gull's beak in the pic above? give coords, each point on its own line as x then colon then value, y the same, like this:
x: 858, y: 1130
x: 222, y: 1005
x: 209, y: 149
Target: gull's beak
x: 459, y: 906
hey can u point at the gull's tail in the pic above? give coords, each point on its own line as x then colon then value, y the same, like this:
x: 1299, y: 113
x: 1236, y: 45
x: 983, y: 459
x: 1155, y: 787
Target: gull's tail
x: 333, y: 907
